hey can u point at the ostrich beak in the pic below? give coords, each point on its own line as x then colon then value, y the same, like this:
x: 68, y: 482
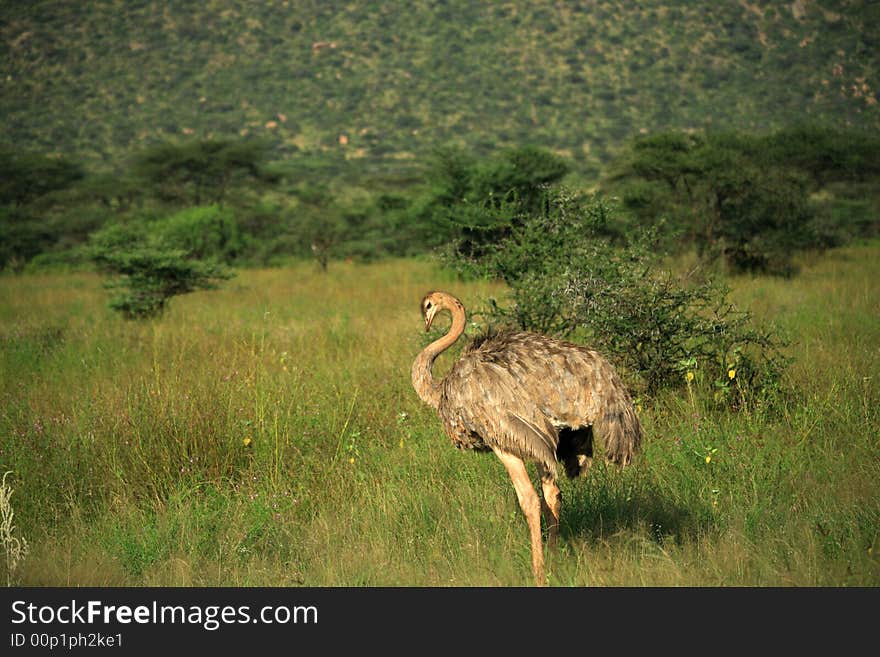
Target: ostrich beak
x: 429, y: 317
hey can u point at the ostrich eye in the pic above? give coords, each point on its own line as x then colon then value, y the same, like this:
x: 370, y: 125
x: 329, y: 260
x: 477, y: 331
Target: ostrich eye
x: 428, y: 306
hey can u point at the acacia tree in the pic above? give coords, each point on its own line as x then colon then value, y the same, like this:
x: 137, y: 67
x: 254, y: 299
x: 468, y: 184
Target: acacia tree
x: 203, y: 171
x: 472, y: 203
x: 723, y: 193
x: 28, y: 182
x: 24, y: 177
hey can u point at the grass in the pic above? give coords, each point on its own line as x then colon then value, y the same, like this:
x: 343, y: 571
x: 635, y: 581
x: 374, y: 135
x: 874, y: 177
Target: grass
x: 267, y: 434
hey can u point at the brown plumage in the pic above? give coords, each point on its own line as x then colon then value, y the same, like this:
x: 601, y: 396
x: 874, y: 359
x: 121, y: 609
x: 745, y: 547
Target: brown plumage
x: 528, y: 397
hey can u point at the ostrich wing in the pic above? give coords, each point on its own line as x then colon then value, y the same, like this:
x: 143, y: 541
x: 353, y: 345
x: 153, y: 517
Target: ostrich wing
x: 513, y: 391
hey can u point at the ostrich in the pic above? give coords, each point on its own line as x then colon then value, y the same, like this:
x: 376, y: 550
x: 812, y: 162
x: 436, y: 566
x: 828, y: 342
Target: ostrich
x: 527, y: 397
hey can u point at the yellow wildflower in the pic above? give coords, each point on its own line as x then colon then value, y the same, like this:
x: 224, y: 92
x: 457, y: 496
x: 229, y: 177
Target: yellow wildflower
x: 731, y: 374
x: 690, y: 376
x: 708, y: 457
x: 247, y: 441
x: 351, y: 460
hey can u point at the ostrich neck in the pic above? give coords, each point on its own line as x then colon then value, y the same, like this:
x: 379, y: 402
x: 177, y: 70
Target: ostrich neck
x: 423, y: 380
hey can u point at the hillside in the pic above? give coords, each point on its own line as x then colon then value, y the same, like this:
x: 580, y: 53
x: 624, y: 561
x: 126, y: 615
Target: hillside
x: 379, y: 84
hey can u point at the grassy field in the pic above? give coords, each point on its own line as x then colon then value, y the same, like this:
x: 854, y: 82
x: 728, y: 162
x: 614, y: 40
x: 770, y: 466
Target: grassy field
x: 267, y: 434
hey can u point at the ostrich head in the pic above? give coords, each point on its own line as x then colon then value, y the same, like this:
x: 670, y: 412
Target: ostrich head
x: 432, y: 303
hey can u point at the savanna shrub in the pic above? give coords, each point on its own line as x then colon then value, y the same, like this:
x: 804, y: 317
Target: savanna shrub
x: 151, y: 262
x: 566, y: 278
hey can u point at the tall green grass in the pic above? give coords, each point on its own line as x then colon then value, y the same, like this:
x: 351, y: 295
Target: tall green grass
x: 267, y: 434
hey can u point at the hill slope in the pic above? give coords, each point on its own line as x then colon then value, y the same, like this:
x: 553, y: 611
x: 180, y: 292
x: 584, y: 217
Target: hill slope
x: 382, y: 83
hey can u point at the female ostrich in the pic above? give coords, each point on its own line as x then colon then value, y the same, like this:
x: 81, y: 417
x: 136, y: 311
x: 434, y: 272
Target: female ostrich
x: 527, y: 397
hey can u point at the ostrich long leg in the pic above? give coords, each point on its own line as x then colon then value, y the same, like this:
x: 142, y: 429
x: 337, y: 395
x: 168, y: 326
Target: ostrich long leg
x: 551, y: 505
x: 530, y: 504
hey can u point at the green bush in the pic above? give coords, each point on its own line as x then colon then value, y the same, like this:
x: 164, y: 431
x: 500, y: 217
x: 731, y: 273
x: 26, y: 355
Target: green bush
x: 661, y: 327
x: 151, y: 262
x: 150, y: 276
x: 566, y: 278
